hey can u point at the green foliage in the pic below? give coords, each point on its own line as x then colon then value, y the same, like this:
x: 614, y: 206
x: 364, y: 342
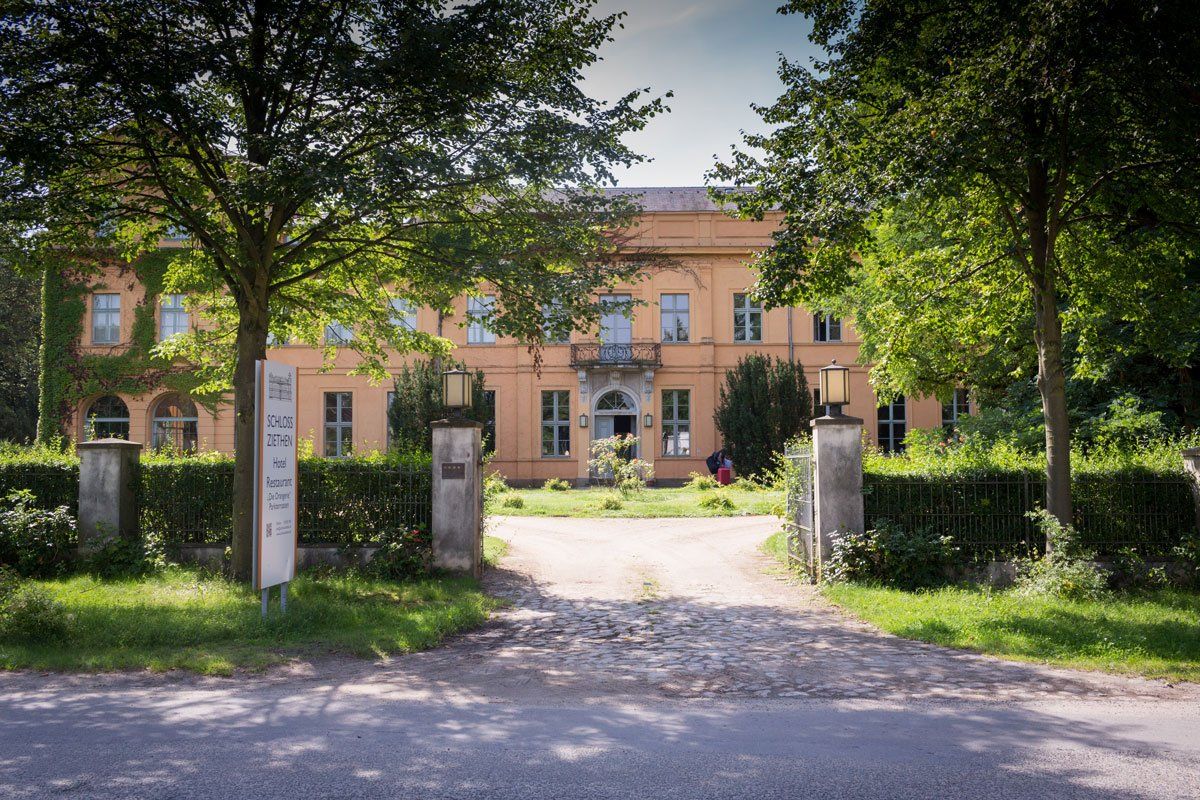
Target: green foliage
x: 35, y: 541
x: 29, y: 615
x: 764, y: 403
x: 888, y: 555
x: 119, y: 557
x: 612, y: 460
x: 403, y: 554
x: 701, y: 483
x: 346, y: 501
x: 20, y: 319
x: 556, y: 485
x: 50, y: 473
x: 197, y: 620
x: 69, y: 376
x: 417, y: 402
x: 1067, y: 571
x: 1129, y: 572
x: 513, y: 501
x: 716, y: 501
x: 611, y: 501
x: 494, y: 485
x: 980, y: 494
x: 966, y: 180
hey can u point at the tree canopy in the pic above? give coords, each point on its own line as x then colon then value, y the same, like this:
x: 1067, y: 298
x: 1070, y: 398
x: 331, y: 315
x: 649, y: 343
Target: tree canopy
x: 963, y: 178
x: 322, y: 157
x: 764, y: 404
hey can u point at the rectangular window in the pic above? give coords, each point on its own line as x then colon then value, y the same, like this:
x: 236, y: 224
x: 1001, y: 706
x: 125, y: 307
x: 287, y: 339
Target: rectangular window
x: 676, y: 318
x: 556, y: 423
x: 676, y: 422
x: 892, y: 425
x: 172, y: 316
x: 404, y: 314
x: 553, y: 335
x: 488, y: 418
x: 747, y: 319
x: 958, y: 407
x: 339, y: 424
x: 616, y: 320
x: 827, y: 328
x: 387, y: 415
x: 337, y: 334
x: 478, y: 309
x: 106, y: 318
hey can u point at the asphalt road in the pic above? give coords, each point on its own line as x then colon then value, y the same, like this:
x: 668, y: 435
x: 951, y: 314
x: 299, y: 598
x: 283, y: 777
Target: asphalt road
x: 549, y: 703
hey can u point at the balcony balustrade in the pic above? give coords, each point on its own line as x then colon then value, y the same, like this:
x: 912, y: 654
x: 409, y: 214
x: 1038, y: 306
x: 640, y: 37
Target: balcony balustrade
x: 597, y: 354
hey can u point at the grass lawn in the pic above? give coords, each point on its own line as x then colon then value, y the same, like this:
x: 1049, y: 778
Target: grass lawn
x: 494, y: 549
x: 682, y: 502
x: 1155, y: 634
x: 188, y: 619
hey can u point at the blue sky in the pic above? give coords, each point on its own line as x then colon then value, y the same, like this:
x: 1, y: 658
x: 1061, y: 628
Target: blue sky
x: 717, y: 55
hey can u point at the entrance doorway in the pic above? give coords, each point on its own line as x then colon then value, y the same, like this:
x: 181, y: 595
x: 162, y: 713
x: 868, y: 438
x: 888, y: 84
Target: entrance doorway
x: 615, y: 414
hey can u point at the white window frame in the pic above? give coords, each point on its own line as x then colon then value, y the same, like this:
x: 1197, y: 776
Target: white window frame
x: 827, y: 328
x: 958, y: 407
x: 616, y: 326
x: 676, y: 430
x: 894, y: 416
x: 558, y: 421
x: 338, y: 334
x: 111, y: 316
x: 670, y: 311
x: 750, y: 311
x: 403, y: 313
x: 173, y: 318
x: 477, y: 309
x: 549, y: 335
x: 342, y: 428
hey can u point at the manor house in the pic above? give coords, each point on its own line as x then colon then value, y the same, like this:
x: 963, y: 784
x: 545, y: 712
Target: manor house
x: 656, y: 374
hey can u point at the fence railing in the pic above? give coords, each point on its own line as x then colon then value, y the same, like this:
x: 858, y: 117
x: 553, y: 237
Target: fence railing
x: 988, y: 515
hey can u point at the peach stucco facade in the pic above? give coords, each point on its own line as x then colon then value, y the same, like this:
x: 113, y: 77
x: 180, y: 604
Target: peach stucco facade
x: 713, y: 253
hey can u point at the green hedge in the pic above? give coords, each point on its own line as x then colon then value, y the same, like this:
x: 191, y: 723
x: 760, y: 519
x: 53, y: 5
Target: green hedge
x: 1149, y: 510
x: 52, y: 476
x: 350, y: 501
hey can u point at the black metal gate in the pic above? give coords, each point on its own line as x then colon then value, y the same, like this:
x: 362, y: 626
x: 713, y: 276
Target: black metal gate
x: 801, y: 509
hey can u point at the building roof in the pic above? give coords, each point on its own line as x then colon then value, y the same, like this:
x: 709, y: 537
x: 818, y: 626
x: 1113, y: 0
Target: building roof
x: 671, y: 198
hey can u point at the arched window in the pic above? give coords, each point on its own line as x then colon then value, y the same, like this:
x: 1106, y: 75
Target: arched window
x: 174, y: 423
x: 107, y: 418
x: 615, y: 401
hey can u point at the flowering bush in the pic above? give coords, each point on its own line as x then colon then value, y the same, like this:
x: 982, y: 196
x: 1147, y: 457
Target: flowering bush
x: 612, y: 460
x: 403, y: 554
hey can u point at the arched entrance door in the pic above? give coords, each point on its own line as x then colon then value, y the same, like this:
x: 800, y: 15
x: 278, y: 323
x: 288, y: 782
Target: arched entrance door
x: 616, y: 414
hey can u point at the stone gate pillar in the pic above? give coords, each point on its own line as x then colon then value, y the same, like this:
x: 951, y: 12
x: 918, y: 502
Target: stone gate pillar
x: 107, y: 491
x: 458, y: 496
x: 837, y: 482
x: 1191, y: 464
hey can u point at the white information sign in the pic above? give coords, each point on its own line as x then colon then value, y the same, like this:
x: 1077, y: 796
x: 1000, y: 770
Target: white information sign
x: 277, y: 475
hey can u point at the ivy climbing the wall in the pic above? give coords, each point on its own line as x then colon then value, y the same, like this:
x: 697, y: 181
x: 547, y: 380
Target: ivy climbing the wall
x: 68, y: 374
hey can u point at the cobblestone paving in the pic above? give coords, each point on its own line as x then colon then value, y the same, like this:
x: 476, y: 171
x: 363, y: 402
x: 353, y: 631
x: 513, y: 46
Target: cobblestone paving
x: 688, y: 608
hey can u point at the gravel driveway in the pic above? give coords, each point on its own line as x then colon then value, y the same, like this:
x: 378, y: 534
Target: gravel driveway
x: 639, y: 658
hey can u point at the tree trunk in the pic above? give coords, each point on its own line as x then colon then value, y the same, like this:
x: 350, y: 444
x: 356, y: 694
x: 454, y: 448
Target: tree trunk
x: 251, y: 346
x: 1052, y: 384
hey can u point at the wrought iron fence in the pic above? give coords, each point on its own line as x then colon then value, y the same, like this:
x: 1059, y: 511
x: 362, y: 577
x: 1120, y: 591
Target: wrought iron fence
x: 988, y: 515
x: 342, y: 502
x: 800, y: 508
x: 598, y: 354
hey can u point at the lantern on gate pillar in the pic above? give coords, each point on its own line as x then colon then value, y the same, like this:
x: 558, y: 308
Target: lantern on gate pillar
x: 835, y: 387
x: 457, y: 390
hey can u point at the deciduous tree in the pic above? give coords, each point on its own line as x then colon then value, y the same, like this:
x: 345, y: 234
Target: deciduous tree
x: 960, y: 173
x: 322, y: 156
